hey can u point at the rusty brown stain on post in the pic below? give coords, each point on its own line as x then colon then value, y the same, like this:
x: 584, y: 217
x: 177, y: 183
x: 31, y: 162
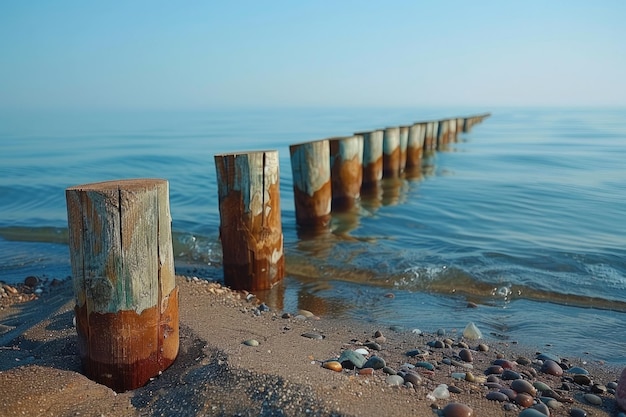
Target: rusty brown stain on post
x: 391, y: 152
x: 346, y: 166
x: 372, y: 159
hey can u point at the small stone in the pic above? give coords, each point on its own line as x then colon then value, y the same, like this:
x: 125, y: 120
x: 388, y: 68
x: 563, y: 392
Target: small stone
x: 469, y: 377
x: 548, y: 356
x: 599, y: 389
x: 362, y: 351
x: 462, y: 345
x: 441, y: 332
x: 413, y: 352
x: 458, y: 375
x: 509, y: 393
x: 438, y: 344
x: 593, y: 399
x: 416, y: 331
x: 541, y: 407
x: 366, y: 371
x: 441, y: 392
x: 466, y: 355
x: 578, y: 371
x: 454, y: 389
x: 312, y: 335
x: 494, y: 369
x: 520, y: 385
x: 378, y: 333
x: 375, y: 362
x: 349, y: 359
x: 457, y: 410
x: 506, y: 364
x: 306, y: 313
x: 31, y: 281
x: 286, y: 315
x: 425, y: 365
x: 373, y: 345
x: 497, y: 396
x: 523, y: 361
x: 550, y: 367
x: 541, y: 386
x: 333, y: 366
x: 577, y: 412
x: 389, y: 370
x: 251, y: 342
x: 524, y: 400
x: 471, y: 332
x: 483, y: 347
x: 413, y: 378
x: 395, y: 380
x: 509, y: 375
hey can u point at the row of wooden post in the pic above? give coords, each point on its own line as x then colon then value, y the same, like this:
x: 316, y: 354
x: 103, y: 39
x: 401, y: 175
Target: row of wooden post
x: 120, y: 238
x: 331, y: 174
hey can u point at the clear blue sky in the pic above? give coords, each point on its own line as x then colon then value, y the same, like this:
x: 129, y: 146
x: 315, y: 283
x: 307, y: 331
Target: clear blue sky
x: 201, y: 54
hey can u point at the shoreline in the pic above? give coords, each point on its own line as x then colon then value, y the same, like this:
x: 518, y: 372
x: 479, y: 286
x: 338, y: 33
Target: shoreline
x: 217, y: 374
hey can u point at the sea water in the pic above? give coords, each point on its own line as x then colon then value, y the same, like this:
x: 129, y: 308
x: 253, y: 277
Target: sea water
x: 524, y: 216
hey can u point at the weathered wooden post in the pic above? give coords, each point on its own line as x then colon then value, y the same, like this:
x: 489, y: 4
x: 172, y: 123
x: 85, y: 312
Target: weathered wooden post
x: 310, y: 167
x: 452, y: 130
x: 404, y: 142
x: 459, y: 126
x: 346, y: 171
x: 430, y: 141
x: 250, y: 222
x: 372, y: 159
x: 415, y: 145
x: 442, y: 134
x: 391, y: 152
x: 123, y: 272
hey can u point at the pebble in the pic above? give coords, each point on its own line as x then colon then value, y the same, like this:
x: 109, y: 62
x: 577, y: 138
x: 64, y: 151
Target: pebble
x: 441, y: 392
x: 372, y: 345
x: 620, y: 392
x: 312, y: 335
x: 494, y: 369
x: 416, y: 331
x: 523, y: 361
x: 577, y: 412
x: 578, y: 371
x: 497, y: 396
x: 366, y: 371
x: 362, y: 351
x: 598, y: 389
x: 541, y: 386
x: 333, y: 366
x: 375, y: 362
x: 306, y: 313
x: 483, y: 347
x: 436, y: 344
x: 551, y: 367
x: 541, y: 407
x: 413, y: 378
x: 425, y: 365
x: 251, y: 342
x: 506, y: 364
x: 593, y: 399
x: 524, y: 400
x: 31, y: 281
x: 457, y: 410
x: 509, y: 375
x: 349, y: 359
x: 413, y: 352
x: 389, y: 370
x: 395, y: 380
x: 466, y: 355
x: 520, y: 385
x: 548, y: 356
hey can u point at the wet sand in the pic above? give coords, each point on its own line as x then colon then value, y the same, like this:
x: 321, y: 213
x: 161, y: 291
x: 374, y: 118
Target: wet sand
x: 217, y: 374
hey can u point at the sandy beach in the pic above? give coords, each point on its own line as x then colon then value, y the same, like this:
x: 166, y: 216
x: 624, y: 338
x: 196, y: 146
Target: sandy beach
x: 216, y: 373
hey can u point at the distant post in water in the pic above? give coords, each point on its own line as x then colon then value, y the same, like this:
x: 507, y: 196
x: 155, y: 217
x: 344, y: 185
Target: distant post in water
x: 442, y: 134
x: 391, y: 152
x: 372, y: 159
x: 415, y: 145
x: 452, y: 130
x: 250, y: 222
x: 430, y: 140
x: 460, y: 122
x: 310, y: 166
x: 404, y: 142
x: 122, y: 261
x: 346, y: 165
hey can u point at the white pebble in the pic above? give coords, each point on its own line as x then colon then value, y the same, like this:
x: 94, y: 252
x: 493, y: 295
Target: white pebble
x: 362, y: 351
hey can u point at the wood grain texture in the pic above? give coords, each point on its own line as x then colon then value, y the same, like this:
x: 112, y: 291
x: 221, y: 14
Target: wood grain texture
x: 346, y: 162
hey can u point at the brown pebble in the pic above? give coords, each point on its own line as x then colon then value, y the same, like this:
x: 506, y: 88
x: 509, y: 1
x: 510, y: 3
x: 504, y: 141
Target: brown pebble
x: 524, y: 400
x: 551, y: 368
x: 466, y: 355
x: 457, y: 410
x: 366, y: 371
x: 483, y: 347
x: 520, y: 385
x: 31, y: 281
x: 497, y: 396
x: 494, y: 369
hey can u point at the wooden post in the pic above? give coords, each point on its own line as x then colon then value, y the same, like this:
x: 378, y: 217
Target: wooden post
x: 459, y: 126
x: 250, y: 223
x: 430, y: 141
x: 415, y: 145
x: 404, y: 142
x: 442, y: 134
x: 310, y: 166
x: 123, y: 272
x: 452, y: 130
x: 372, y: 159
x: 391, y: 152
x: 346, y: 171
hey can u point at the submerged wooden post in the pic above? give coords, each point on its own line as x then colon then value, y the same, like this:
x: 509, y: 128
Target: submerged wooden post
x: 250, y: 223
x: 346, y: 171
x: 391, y: 152
x: 430, y: 141
x: 452, y: 130
x: 442, y: 134
x: 123, y: 272
x: 415, y: 145
x: 312, y: 192
x: 372, y: 159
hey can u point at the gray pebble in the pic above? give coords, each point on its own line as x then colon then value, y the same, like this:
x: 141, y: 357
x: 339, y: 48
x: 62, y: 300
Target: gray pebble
x: 251, y: 342
x: 375, y: 362
x: 577, y: 412
x: 395, y: 380
x: 593, y: 399
x: 311, y: 335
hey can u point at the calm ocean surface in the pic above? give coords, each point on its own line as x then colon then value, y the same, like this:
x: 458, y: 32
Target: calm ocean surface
x: 525, y: 215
